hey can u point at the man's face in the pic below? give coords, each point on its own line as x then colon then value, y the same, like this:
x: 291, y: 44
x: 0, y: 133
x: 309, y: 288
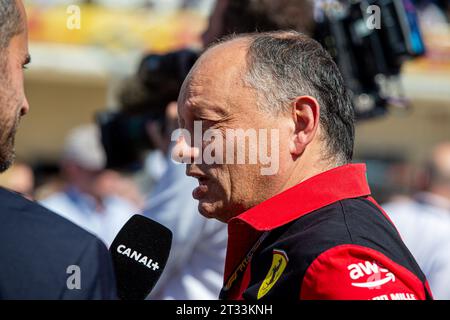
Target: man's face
x: 215, y: 94
x: 13, y: 103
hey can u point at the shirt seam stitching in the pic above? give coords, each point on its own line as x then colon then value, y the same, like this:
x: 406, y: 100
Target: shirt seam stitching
x: 345, y: 222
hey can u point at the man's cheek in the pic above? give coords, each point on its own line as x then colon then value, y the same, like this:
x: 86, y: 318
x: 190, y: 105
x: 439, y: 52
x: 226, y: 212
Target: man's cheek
x: 19, y: 84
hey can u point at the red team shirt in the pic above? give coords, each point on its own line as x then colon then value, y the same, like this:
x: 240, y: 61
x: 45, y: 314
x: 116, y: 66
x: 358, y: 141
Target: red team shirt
x: 325, y: 238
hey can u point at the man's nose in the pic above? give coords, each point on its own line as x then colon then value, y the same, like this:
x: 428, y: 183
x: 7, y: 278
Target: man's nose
x: 25, y: 107
x: 183, y: 152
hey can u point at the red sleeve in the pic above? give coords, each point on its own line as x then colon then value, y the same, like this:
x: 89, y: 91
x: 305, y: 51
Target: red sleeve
x: 351, y: 272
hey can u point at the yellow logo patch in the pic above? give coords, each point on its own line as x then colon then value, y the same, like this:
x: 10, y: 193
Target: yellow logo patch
x: 279, y: 262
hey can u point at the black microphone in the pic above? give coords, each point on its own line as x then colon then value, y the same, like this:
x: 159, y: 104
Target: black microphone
x: 139, y: 253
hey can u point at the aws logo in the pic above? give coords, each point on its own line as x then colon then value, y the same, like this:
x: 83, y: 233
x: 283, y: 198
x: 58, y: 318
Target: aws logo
x: 375, y: 276
x: 279, y: 263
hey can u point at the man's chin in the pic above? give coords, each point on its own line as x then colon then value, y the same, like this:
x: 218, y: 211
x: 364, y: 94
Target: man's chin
x: 206, y: 209
x: 211, y: 211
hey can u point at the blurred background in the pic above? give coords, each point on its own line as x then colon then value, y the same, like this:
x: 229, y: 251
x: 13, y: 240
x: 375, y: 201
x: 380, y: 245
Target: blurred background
x: 78, y: 72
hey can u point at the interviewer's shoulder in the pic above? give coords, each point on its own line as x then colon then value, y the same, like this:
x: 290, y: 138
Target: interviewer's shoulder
x: 40, y: 247
x: 22, y: 216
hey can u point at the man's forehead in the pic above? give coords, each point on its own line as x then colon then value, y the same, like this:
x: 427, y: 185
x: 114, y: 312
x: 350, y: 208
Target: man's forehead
x: 205, y: 100
x: 217, y: 71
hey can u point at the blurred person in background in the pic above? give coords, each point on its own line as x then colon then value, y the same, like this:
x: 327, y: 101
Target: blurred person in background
x: 424, y: 222
x: 433, y: 12
x: 111, y: 182
x: 19, y: 178
x: 87, y: 199
x: 243, y: 16
x: 48, y: 180
x: 36, y: 245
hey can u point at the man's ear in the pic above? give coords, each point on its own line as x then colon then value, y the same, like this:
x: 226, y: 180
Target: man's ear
x: 305, y: 114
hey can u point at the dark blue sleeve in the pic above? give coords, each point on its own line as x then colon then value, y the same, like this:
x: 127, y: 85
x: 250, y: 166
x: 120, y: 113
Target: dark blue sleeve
x: 97, y: 274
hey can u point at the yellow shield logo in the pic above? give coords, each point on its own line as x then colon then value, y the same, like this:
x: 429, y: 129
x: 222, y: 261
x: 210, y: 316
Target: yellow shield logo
x: 279, y: 262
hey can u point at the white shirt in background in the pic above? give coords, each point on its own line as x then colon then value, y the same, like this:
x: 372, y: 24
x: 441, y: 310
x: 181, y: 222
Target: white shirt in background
x: 424, y: 225
x: 81, y: 210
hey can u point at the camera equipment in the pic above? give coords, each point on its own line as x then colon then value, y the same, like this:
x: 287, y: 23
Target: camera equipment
x: 369, y: 40
x: 143, y: 99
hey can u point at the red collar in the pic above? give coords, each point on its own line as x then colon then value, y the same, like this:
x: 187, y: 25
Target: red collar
x: 340, y: 183
x: 344, y: 182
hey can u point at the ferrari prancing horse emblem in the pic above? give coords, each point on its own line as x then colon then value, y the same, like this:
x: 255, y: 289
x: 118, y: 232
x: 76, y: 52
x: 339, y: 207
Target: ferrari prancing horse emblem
x: 279, y: 262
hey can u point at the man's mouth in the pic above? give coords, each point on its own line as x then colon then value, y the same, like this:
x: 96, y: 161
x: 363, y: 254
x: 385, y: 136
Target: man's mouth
x: 201, y: 190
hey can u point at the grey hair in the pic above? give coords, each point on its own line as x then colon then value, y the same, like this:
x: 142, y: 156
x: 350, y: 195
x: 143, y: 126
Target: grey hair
x: 11, y: 22
x: 283, y: 65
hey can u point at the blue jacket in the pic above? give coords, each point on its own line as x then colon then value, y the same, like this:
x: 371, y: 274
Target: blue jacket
x: 37, y: 250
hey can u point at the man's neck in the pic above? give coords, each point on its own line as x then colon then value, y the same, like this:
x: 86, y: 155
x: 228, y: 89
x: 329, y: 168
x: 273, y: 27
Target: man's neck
x: 306, y: 167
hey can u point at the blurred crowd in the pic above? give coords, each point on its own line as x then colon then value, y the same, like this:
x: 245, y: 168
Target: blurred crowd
x: 82, y: 189
x: 433, y: 12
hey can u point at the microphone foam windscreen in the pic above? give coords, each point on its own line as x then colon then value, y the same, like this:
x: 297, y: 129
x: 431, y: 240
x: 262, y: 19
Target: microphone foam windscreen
x: 139, y: 253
